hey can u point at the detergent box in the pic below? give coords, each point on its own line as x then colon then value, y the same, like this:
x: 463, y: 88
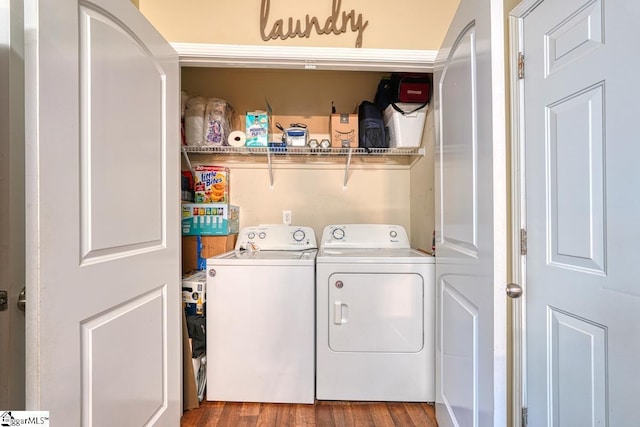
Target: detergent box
x: 210, y: 219
x: 211, y: 184
x: 257, y: 129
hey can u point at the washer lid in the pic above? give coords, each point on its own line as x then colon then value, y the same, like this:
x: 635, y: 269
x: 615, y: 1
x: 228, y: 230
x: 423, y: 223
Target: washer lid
x: 238, y: 257
x: 378, y: 256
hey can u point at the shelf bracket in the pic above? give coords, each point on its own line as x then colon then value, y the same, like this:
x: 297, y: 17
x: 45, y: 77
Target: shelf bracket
x: 270, y: 169
x: 186, y: 158
x: 346, y: 169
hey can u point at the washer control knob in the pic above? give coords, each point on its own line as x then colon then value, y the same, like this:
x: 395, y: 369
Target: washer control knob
x: 338, y: 233
x: 212, y: 272
x: 251, y: 235
x: 393, y: 234
x: 262, y: 235
x: 299, y: 235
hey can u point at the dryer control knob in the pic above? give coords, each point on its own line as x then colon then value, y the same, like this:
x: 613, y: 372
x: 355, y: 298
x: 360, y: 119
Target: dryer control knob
x: 393, y: 234
x: 338, y: 233
x: 212, y: 272
x: 298, y: 235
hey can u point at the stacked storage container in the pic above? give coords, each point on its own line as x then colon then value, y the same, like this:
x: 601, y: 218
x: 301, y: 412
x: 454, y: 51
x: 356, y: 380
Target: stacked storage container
x: 209, y: 227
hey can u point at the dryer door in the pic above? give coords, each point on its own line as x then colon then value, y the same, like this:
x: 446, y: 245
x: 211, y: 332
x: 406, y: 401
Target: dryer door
x: 376, y: 312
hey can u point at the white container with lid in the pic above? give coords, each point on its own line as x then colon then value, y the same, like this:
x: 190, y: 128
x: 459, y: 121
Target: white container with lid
x: 296, y: 136
x: 405, y: 130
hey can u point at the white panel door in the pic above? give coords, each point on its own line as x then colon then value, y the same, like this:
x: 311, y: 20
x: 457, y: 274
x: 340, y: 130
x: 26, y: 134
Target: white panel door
x: 470, y: 220
x: 11, y: 203
x: 103, y: 310
x: 582, y: 210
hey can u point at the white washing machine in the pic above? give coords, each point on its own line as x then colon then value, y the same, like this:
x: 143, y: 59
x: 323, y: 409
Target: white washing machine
x: 375, y: 311
x: 261, y: 317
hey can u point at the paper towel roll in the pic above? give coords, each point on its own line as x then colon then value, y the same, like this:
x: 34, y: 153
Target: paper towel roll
x: 237, y: 138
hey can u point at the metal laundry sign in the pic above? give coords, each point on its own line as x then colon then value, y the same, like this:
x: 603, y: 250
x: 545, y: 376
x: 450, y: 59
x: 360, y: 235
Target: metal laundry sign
x: 339, y: 22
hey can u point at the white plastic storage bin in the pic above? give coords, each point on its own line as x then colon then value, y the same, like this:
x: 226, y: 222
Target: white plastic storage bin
x: 405, y: 130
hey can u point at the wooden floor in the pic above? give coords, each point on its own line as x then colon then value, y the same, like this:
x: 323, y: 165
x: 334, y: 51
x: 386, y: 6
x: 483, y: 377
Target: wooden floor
x: 322, y: 414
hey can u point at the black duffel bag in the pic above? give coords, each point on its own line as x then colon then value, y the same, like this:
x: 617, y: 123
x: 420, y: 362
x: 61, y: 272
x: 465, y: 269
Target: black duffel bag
x: 371, y: 130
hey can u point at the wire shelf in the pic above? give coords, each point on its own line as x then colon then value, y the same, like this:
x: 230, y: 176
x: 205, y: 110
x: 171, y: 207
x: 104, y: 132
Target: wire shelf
x: 304, y: 151
x: 271, y: 154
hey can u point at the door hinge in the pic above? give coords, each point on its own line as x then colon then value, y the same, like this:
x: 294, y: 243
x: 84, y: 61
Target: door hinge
x: 524, y: 416
x: 521, y: 65
x: 523, y: 241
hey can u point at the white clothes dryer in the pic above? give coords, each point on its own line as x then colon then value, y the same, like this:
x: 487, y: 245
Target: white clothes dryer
x: 260, y: 317
x: 375, y: 316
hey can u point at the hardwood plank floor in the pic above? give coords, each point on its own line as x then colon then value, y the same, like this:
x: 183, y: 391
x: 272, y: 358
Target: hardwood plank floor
x: 322, y: 414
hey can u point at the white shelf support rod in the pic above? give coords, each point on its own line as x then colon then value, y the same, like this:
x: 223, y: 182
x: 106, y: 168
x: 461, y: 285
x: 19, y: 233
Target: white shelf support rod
x: 346, y: 170
x: 186, y: 158
x: 270, y: 169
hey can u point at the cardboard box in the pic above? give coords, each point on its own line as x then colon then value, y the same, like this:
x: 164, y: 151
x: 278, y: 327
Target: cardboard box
x: 189, y: 387
x: 210, y: 219
x: 257, y: 128
x: 343, y: 129
x: 211, y: 184
x: 196, y: 250
x: 194, y: 293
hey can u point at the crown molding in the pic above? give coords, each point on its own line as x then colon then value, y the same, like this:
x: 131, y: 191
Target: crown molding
x: 311, y: 58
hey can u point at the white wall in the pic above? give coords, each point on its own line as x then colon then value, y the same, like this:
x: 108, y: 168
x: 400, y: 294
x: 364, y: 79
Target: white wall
x: 403, y: 24
x: 316, y: 196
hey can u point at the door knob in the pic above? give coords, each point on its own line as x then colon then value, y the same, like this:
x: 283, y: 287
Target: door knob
x: 514, y: 290
x: 22, y: 300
